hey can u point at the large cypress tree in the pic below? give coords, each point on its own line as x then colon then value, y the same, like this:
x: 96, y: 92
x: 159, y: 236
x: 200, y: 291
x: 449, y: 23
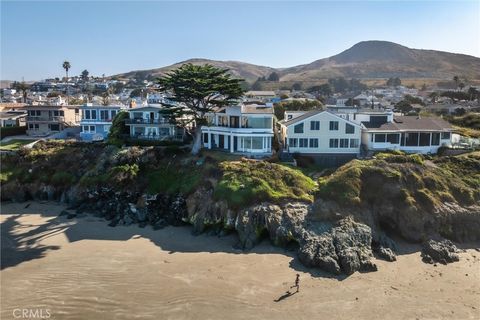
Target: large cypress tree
x: 201, y: 88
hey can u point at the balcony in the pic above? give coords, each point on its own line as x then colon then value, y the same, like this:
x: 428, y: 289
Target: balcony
x: 45, y: 119
x: 96, y: 120
x: 222, y: 129
x: 146, y: 121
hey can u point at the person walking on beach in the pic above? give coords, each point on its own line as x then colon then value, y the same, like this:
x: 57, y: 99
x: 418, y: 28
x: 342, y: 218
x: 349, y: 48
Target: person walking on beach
x: 297, y: 283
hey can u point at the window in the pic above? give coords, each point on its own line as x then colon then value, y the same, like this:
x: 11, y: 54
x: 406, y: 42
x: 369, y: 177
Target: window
x: 354, y: 143
x: 349, y: 128
x: 445, y: 135
x: 289, y: 117
x: 104, y: 114
x: 303, y: 142
x: 293, y: 142
x: 333, y: 143
x: 435, y: 139
x: 343, y: 143
x: 86, y: 114
x: 314, y: 125
x: 94, y: 114
x: 411, y: 139
x: 113, y: 114
x: 313, y: 143
x: 298, y: 128
x: 424, y: 139
x: 55, y: 127
x: 257, y: 143
x: 205, y: 138
x: 89, y: 129
x: 77, y: 111
x: 393, y: 138
x: 379, y: 137
x: 333, y: 125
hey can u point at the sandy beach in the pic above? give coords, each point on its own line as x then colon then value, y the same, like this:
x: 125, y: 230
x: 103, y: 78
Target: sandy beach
x: 83, y: 269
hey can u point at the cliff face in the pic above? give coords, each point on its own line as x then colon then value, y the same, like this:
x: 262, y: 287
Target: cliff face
x: 336, y: 223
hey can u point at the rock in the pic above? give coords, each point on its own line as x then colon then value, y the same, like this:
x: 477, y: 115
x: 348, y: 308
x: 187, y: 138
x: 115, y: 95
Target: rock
x: 443, y: 251
x: 64, y: 213
x: 386, y: 254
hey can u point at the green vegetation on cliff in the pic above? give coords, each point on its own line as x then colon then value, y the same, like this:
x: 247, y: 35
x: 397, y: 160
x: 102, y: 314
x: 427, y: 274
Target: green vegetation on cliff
x: 247, y: 182
x: 405, y: 180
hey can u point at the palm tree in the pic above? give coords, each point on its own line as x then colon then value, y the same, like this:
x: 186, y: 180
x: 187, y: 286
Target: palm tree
x: 456, y: 79
x: 66, y: 65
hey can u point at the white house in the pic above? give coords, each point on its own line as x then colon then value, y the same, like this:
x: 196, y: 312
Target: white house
x: 244, y: 128
x: 321, y: 133
x: 412, y: 134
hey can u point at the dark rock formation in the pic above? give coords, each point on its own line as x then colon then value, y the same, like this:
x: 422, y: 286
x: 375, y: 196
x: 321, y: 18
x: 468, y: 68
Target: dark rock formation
x: 439, y: 251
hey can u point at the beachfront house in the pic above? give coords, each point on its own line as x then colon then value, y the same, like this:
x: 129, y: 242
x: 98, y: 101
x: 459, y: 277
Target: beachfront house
x: 96, y: 121
x: 151, y: 123
x: 47, y: 120
x: 321, y: 133
x: 243, y: 128
x: 413, y: 134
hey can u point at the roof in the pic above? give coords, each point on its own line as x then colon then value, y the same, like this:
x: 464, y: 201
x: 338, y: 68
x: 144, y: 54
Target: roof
x: 409, y: 123
x: 260, y: 93
x: 256, y: 108
x: 313, y: 113
x: 147, y: 108
x: 38, y: 107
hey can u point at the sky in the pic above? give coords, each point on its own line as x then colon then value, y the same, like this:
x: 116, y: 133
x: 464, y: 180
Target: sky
x: 110, y: 37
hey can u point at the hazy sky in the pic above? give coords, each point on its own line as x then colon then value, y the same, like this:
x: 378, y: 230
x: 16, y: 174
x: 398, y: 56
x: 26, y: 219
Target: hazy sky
x: 118, y: 36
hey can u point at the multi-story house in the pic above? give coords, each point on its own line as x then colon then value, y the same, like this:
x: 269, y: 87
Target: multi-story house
x: 96, y: 121
x: 318, y: 133
x: 244, y: 128
x: 150, y: 122
x: 46, y: 120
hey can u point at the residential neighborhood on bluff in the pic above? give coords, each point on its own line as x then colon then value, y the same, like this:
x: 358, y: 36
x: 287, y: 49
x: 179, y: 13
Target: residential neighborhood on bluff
x: 269, y: 160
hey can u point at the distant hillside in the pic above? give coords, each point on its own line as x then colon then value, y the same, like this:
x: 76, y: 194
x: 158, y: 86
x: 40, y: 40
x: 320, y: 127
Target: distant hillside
x: 382, y: 59
x: 365, y: 60
x: 247, y: 71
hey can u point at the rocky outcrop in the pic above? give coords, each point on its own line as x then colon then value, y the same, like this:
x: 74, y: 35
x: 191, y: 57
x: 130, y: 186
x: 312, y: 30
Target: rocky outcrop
x: 443, y: 251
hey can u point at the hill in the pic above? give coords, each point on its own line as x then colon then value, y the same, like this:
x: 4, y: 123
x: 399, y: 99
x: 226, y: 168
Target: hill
x: 247, y: 71
x: 365, y: 60
x: 382, y: 59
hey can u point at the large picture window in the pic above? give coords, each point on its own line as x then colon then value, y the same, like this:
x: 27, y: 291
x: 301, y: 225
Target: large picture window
x: 411, y: 139
x: 393, y: 138
x: 435, y: 138
x: 298, y: 128
x: 424, y: 139
x: 349, y: 128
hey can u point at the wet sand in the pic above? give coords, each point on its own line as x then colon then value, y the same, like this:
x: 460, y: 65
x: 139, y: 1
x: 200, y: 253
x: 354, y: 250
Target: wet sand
x: 83, y: 269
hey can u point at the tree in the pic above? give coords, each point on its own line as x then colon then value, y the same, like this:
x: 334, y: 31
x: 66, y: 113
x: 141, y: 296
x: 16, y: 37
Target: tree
x: 297, y: 86
x: 456, y: 79
x: 274, y: 77
x: 66, y: 65
x: 118, y: 129
x: 201, y: 88
x: 323, y: 90
x: 403, y: 106
x: 84, y: 75
x: 434, y: 96
x: 295, y: 105
x: 23, y: 87
x: 394, y: 82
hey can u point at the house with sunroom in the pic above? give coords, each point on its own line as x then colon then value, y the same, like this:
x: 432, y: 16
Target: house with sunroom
x: 96, y: 121
x: 321, y: 133
x: 243, y: 128
x: 151, y: 123
x: 412, y: 134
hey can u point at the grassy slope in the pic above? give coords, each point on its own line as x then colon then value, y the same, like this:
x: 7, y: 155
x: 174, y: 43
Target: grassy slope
x: 407, y: 180
x: 14, y: 144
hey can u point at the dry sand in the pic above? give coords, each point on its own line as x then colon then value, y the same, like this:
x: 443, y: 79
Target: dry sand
x: 83, y: 269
